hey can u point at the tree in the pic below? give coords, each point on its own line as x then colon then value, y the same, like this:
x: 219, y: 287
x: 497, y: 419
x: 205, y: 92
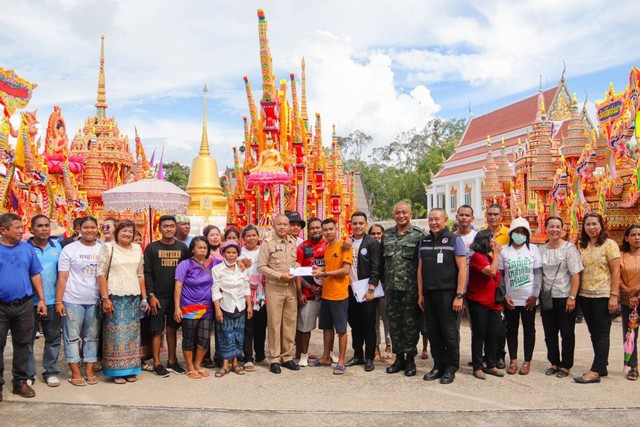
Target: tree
x: 400, y: 170
x: 177, y: 174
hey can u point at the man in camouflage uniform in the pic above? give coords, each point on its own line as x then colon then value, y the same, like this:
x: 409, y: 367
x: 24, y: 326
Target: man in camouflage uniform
x: 399, y: 272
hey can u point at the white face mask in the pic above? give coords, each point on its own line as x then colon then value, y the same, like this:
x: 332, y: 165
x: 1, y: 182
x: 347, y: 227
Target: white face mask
x: 518, y: 239
x: 227, y: 264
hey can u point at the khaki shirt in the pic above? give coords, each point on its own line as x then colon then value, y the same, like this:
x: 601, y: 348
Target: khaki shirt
x: 277, y: 255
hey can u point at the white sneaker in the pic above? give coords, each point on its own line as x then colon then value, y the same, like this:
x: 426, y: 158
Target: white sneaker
x: 304, y: 359
x: 53, y: 381
x: 334, y: 357
x: 264, y: 362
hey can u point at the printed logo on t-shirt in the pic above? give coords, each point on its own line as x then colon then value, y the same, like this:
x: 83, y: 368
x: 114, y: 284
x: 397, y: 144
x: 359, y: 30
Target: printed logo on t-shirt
x: 519, y: 271
x: 169, y: 258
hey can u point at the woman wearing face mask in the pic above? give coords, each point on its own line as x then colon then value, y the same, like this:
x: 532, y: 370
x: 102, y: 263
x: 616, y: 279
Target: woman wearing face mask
x: 521, y: 277
x: 561, y: 267
x: 630, y: 290
x: 231, y: 297
x: 123, y: 294
x: 598, y: 295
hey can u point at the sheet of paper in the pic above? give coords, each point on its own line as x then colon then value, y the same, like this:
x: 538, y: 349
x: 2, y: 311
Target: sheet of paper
x: 361, y: 287
x: 300, y: 271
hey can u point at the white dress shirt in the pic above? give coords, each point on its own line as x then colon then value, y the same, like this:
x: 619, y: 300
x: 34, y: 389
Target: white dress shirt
x: 230, y: 287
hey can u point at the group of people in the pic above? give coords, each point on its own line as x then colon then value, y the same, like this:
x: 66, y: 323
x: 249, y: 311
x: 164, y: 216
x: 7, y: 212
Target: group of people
x: 261, y: 297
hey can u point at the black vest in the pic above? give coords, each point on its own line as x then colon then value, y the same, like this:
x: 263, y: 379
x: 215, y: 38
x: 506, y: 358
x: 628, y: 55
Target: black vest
x: 439, y: 276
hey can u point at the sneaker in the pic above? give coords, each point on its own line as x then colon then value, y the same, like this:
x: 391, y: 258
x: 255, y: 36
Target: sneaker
x: 53, y: 381
x: 161, y: 371
x: 304, y: 359
x: 334, y: 357
x: 176, y: 368
x: 38, y: 334
x: 264, y: 362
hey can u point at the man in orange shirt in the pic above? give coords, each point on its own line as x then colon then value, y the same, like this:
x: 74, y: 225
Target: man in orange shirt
x: 335, y: 294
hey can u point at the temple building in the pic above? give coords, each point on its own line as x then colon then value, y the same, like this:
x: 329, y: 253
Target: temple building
x: 107, y: 154
x: 489, y: 143
x: 208, y: 204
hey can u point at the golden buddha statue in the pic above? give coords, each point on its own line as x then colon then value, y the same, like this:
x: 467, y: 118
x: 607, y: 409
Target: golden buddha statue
x: 270, y: 159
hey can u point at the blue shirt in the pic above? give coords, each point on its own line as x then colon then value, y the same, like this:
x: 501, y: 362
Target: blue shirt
x: 48, y: 258
x: 18, y: 264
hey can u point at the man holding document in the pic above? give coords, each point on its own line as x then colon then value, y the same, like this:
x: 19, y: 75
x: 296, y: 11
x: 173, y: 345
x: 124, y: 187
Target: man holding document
x: 335, y: 294
x: 364, y: 280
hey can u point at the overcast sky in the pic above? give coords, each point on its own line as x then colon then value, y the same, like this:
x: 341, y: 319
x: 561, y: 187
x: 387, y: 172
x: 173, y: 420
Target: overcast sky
x: 382, y: 67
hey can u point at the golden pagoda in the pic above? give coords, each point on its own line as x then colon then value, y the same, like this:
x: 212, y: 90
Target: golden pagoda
x: 208, y: 203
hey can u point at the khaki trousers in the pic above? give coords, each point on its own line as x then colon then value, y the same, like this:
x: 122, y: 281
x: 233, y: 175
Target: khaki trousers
x: 282, y: 313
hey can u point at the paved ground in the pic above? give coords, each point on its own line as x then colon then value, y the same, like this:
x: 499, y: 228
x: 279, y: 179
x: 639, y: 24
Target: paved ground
x: 313, y: 396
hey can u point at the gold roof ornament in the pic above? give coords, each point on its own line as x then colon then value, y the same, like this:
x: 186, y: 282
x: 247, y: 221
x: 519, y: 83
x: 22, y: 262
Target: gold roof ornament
x: 207, y: 198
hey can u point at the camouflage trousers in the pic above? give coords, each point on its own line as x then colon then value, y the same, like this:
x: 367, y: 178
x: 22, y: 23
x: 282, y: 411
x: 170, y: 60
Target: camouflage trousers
x: 404, y: 321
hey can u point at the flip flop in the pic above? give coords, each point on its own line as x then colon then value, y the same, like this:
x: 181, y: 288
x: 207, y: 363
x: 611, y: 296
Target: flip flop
x: 425, y: 355
x: 92, y: 380
x: 147, y: 367
x: 339, y: 370
x: 317, y: 363
x: 221, y: 373
x: 194, y: 375
x: 119, y: 380
x: 78, y: 382
x: 249, y: 367
x: 237, y: 370
x: 131, y: 379
x: 203, y: 373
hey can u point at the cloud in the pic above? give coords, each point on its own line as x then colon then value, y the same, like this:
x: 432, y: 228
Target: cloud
x: 372, y: 66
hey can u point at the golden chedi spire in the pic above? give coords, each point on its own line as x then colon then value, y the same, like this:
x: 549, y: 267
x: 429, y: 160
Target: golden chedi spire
x: 101, y: 105
x: 207, y: 198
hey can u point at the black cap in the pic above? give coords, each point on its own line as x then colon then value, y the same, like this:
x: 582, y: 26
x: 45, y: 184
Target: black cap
x: 295, y: 217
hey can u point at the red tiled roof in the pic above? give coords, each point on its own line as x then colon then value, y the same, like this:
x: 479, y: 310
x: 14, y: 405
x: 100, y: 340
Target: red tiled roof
x: 506, y: 119
x: 495, y: 148
x: 468, y: 167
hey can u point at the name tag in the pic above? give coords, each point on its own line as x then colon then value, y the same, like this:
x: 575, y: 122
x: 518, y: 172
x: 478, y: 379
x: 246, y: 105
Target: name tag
x: 440, y: 258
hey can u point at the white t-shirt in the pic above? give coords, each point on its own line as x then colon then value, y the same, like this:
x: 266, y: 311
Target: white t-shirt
x: 253, y: 256
x: 354, y: 267
x: 82, y: 264
x: 468, y: 240
x: 518, y: 266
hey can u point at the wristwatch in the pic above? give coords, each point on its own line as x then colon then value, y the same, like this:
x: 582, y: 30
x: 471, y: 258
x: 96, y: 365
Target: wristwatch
x: 371, y: 290
x: 572, y: 298
x: 459, y: 296
x: 325, y: 274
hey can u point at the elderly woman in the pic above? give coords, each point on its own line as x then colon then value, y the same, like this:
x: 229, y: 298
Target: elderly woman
x: 598, y: 294
x: 561, y: 267
x: 521, y: 277
x: 123, y: 294
x: 193, y: 306
x: 77, y: 301
x: 231, y: 297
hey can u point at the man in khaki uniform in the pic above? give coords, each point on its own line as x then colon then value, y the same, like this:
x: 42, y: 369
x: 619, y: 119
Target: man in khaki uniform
x: 277, y: 256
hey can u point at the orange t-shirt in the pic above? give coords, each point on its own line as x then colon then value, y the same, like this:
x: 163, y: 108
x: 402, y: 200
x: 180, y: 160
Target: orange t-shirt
x: 336, y: 288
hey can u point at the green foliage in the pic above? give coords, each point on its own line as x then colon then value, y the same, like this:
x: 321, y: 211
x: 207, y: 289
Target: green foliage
x: 177, y: 174
x: 400, y: 170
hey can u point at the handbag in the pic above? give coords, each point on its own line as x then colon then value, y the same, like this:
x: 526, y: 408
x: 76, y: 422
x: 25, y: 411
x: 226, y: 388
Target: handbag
x: 546, y: 298
x: 499, y: 295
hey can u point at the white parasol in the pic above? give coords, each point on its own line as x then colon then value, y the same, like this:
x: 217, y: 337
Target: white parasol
x: 146, y: 194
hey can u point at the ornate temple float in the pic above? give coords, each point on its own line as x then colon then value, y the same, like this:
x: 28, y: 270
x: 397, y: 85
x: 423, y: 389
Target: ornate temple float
x: 65, y: 180
x: 282, y: 165
x: 564, y: 168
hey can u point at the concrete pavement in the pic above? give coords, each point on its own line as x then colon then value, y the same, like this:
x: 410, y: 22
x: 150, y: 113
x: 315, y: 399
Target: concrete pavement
x: 313, y: 396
